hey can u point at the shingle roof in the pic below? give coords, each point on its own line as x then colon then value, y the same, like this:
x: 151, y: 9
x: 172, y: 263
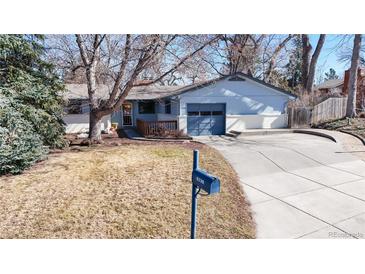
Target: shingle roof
x: 333, y: 83
x: 79, y: 91
x: 153, y: 92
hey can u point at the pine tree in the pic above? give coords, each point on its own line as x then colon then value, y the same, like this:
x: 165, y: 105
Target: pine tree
x: 31, y: 105
x: 330, y: 75
x: 293, y: 68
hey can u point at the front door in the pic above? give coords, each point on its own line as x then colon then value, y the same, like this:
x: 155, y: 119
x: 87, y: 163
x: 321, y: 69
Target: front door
x: 127, y: 114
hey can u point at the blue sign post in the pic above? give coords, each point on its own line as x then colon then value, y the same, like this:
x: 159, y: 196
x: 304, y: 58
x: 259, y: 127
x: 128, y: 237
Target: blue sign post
x: 200, y: 180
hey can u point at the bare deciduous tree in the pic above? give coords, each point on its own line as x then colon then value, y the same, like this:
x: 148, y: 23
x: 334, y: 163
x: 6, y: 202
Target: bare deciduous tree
x: 242, y: 52
x: 124, y: 59
x: 273, y: 58
x: 256, y: 54
x: 352, y: 84
x: 309, y: 61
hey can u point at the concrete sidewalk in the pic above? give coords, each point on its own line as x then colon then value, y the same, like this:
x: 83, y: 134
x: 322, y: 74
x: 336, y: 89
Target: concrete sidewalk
x: 300, y: 186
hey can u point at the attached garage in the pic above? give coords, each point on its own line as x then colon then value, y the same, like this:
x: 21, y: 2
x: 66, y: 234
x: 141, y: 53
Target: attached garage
x: 233, y: 103
x: 206, y: 119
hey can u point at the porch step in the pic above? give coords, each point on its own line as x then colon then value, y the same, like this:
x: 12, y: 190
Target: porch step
x: 233, y: 133
x: 131, y: 133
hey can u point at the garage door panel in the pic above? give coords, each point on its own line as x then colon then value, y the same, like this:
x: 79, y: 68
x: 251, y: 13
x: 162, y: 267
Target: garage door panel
x: 193, y: 122
x: 218, y: 126
x: 194, y: 132
x: 206, y: 119
x: 205, y: 129
x: 218, y: 107
x: 205, y: 107
x: 194, y: 107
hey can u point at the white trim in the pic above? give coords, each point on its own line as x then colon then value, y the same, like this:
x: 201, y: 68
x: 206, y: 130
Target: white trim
x: 244, y: 122
x: 122, y: 113
x: 263, y: 115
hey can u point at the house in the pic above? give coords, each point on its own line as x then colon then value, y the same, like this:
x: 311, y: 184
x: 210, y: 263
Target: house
x: 340, y: 87
x: 77, y: 110
x: 330, y: 87
x: 214, y: 107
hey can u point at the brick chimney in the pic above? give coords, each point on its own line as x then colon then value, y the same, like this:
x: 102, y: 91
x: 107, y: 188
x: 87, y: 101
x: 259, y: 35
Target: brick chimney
x: 360, y: 91
x: 360, y: 76
x: 346, y: 82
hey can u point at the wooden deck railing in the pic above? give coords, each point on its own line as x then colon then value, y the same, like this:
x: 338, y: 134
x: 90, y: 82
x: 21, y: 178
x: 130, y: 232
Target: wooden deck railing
x: 156, y: 128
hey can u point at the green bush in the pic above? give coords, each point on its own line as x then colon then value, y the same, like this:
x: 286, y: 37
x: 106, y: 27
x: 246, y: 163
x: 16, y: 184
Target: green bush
x: 31, y: 104
x: 42, y: 105
x: 20, y: 146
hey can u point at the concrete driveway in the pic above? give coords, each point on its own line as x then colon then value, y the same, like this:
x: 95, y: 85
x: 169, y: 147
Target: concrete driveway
x: 299, y: 185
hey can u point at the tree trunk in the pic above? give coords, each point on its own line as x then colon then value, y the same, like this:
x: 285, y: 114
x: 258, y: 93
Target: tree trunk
x: 307, y: 48
x: 94, y: 127
x: 90, y: 64
x: 313, y: 63
x: 309, y: 61
x: 352, y: 84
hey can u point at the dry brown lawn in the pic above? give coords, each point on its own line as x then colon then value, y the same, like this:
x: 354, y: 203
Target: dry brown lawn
x: 129, y: 191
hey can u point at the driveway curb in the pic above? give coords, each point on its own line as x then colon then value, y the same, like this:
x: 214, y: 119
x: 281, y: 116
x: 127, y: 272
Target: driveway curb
x: 354, y: 135
x: 335, y: 136
x: 316, y: 133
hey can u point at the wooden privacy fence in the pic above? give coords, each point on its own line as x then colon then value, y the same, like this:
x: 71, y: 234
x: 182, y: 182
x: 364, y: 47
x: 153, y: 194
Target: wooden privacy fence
x: 299, y: 117
x: 328, y: 110
x: 156, y: 128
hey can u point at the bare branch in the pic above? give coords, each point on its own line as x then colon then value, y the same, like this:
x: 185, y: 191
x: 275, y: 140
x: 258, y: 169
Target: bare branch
x: 182, y: 61
x: 275, y: 55
x: 82, y: 47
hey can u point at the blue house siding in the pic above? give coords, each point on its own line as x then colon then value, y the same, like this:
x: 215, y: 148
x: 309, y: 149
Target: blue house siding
x: 117, y: 118
x: 175, y: 107
x: 144, y: 117
x: 160, y: 106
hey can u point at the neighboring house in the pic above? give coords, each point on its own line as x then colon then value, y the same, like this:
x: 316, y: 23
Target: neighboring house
x: 340, y: 87
x: 330, y: 87
x: 235, y: 102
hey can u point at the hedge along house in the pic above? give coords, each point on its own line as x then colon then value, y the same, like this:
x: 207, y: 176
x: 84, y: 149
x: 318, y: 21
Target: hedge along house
x: 236, y: 102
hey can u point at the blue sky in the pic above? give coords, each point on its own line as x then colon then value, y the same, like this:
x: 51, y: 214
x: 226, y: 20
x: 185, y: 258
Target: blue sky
x: 333, y: 47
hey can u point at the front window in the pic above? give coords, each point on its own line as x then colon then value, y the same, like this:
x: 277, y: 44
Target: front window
x: 147, y: 107
x: 74, y: 106
x: 167, y: 106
